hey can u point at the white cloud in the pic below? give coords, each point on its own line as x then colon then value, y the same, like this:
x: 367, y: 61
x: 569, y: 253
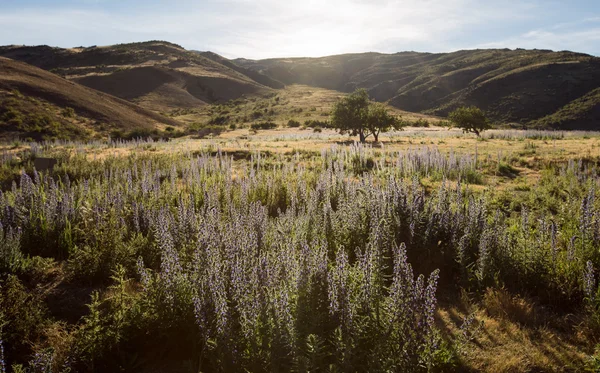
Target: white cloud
x: 556, y: 39
x: 275, y: 28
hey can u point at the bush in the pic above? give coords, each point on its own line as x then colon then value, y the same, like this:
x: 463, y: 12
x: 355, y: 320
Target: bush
x: 313, y: 123
x: 293, y: 123
x: 421, y: 123
x: 68, y: 112
x: 204, y: 132
x: 218, y: 120
x: 263, y: 126
x: 22, y: 318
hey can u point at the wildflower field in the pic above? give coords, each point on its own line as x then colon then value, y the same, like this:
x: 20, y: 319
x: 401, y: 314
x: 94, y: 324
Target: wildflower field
x: 296, y: 251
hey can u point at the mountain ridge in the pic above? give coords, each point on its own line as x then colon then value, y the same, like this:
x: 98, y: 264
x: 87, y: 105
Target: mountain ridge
x: 512, y: 86
x: 156, y: 75
x: 526, y: 88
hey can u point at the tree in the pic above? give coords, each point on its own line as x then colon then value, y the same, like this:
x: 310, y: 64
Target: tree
x: 470, y: 119
x: 356, y: 115
x: 380, y: 120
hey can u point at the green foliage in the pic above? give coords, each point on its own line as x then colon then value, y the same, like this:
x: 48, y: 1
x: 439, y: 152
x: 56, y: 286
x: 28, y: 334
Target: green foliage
x: 380, y: 120
x: 470, y: 119
x: 349, y: 114
x: 97, y: 343
x: 68, y: 112
x: 420, y: 123
x: 263, y: 126
x: 203, y: 131
x: 293, y: 123
x: 23, y: 317
x: 94, y: 262
x: 149, y: 133
x: 218, y: 120
x: 313, y: 123
x: 356, y: 115
x: 593, y: 363
x: 37, y: 120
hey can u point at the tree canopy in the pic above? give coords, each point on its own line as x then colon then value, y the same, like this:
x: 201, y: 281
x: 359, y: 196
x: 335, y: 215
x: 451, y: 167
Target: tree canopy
x: 470, y: 119
x: 356, y: 115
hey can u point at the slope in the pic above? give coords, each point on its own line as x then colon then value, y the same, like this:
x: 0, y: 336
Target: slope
x: 38, y: 104
x: 582, y: 113
x: 510, y: 85
x: 157, y: 75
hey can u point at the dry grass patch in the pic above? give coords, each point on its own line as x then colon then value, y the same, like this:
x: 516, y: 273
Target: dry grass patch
x: 516, y: 335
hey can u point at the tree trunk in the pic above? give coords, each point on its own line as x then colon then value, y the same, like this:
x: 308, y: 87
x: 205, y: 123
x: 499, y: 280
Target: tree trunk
x: 362, y: 136
x: 376, y: 136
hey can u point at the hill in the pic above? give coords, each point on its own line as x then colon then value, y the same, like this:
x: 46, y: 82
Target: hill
x: 533, y: 88
x: 521, y: 86
x: 156, y: 75
x: 35, y: 103
x: 298, y: 105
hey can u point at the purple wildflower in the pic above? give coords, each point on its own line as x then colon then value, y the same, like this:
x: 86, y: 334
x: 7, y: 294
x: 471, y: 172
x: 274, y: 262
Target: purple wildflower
x: 589, y: 282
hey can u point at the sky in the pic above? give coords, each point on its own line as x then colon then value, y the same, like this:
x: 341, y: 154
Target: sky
x: 307, y: 28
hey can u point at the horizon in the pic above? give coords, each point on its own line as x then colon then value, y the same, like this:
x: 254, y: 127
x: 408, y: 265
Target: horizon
x: 269, y: 29
x: 289, y: 57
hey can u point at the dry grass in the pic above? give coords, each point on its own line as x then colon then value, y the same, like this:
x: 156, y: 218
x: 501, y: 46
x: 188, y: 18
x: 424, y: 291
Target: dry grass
x: 516, y: 335
x: 297, y: 102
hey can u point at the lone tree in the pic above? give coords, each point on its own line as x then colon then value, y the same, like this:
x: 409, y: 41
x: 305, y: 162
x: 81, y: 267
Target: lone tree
x: 470, y: 119
x: 356, y: 115
x: 379, y: 120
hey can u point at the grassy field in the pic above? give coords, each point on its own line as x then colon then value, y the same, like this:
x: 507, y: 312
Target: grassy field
x: 294, y: 250
x: 296, y: 102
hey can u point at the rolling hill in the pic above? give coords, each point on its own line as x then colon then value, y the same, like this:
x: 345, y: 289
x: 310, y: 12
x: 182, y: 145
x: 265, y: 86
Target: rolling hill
x: 156, y: 75
x: 38, y: 104
x: 528, y: 87
x: 533, y: 88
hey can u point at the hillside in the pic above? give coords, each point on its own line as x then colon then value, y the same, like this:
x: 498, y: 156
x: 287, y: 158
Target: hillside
x: 520, y: 86
x: 303, y: 105
x: 35, y: 103
x: 534, y: 88
x: 583, y: 113
x: 156, y: 75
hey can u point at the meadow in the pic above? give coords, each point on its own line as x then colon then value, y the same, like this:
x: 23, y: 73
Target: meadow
x: 294, y: 250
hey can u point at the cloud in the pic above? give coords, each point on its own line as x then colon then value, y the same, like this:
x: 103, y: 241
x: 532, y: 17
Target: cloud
x: 561, y: 38
x: 274, y: 28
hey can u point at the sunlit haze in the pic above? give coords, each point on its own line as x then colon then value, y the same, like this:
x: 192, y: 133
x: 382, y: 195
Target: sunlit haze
x: 274, y: 28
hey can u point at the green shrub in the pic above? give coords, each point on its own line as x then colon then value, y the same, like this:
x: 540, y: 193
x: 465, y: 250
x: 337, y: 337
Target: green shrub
x: 263, y: 126
x: 23, y: 317
x: 68, y: 112
x: 421, y: 122
x: 218, y: 120
x: 313, y: 123
x: 207, y: 131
